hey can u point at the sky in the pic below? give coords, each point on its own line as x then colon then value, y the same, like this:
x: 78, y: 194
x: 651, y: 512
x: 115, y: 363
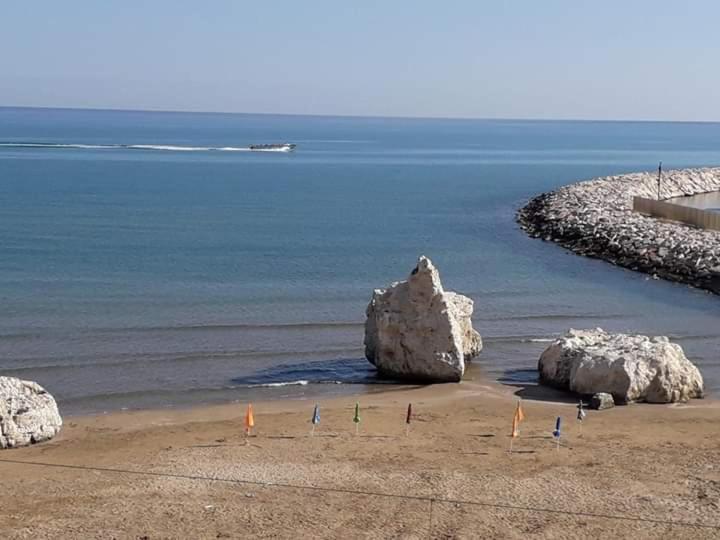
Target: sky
x: 555, y: 59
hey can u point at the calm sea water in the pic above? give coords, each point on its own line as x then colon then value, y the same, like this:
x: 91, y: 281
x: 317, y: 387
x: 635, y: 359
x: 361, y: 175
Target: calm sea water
x: 145, y: 277
x: 704, y: 201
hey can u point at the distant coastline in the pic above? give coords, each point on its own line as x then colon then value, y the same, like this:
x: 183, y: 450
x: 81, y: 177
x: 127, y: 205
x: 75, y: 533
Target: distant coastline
x: 595, y: 218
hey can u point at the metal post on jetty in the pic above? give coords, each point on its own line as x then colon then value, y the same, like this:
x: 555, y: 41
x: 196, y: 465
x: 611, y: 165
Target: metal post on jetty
x: 659, y: 178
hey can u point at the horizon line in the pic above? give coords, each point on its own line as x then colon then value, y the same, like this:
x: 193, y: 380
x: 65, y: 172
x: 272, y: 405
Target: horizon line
x: 358, y: 116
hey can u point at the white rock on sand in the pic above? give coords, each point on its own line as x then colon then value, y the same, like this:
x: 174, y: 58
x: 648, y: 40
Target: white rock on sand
x: 28, y: 414
x: 631, y: 368
x: 602, y: 401
x: 416, y: 330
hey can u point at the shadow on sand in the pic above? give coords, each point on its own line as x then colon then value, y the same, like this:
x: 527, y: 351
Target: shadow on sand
x: 526, y: 383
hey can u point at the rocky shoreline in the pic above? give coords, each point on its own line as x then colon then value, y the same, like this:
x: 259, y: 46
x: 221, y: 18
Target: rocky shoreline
x: 595, y: 218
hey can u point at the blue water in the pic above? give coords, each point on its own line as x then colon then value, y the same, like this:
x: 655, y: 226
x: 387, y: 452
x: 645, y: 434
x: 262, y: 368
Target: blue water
x: 147, y: 277
x: 704, y: 201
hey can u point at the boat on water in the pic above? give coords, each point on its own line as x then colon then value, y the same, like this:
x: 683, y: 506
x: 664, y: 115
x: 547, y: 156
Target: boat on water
x: 284, y: 147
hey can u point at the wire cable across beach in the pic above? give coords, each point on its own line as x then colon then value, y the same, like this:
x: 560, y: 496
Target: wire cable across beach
x: 349, y: 491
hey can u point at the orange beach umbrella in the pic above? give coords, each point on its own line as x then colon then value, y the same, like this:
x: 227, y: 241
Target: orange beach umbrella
x: 249, y: 419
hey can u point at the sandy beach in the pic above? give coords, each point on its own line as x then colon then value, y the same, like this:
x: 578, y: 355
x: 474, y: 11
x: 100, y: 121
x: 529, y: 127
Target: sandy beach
x: 356, y: 271
x: 638, y: 471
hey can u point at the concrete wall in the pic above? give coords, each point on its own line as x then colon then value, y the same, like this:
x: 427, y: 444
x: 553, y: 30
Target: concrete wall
x: 675, y: 212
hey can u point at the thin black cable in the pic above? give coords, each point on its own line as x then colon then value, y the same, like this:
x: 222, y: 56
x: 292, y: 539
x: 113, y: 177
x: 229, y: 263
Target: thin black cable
x: 349, y: 491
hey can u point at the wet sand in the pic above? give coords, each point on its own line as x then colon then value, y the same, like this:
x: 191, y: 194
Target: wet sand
x: 628, y: 473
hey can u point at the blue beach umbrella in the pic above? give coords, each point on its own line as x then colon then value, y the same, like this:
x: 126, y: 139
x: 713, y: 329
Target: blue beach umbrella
x: 556, y: 433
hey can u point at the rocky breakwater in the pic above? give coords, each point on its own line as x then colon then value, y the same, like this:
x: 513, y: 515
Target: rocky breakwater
x: 416, y: 330
x: 631, y: 368
x: 595, y: 218
x: 28, y: 414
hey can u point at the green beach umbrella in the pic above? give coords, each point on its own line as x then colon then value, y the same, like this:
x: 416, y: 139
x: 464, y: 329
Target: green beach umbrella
x: 408, y: 418
x: 356, y: 418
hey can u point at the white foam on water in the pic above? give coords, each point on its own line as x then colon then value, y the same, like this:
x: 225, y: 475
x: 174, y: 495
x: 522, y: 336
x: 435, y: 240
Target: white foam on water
x: 168, y: 147
x: 158, y: 147
x: 59, y: 145
x: 283, y: 149
x: 279, y: 384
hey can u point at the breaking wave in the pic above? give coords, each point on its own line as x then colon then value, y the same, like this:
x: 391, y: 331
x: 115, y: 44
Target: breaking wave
x: 279, y: 384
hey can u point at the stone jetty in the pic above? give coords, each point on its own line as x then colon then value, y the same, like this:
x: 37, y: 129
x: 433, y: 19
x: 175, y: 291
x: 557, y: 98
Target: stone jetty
x: 595, y: 218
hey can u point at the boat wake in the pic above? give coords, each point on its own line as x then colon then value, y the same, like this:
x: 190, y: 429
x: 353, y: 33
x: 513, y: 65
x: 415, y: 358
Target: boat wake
x: 152, y: 147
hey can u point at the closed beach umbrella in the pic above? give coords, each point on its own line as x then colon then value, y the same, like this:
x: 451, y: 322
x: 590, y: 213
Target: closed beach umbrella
x: 518, y: 417
x: 315, y: 420
x: 316, y: 415
x: 356, y: 418
x: 249, y: 419
x: 556, y: 433
x: 581, y: 415
x: 408, y: 418
x: 581, y: 412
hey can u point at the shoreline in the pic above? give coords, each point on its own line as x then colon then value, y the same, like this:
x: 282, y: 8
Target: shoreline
x: 538, y: 393
x: 193, y: 473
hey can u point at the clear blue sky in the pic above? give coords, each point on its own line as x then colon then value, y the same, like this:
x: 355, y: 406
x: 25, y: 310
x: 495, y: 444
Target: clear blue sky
x: 603, y: 59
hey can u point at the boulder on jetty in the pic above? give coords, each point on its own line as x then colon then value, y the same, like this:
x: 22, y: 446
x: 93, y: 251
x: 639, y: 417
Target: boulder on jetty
x: 631, y: 368
x: 416, y: 330
x: 28, y: 414
x: 596, y: 219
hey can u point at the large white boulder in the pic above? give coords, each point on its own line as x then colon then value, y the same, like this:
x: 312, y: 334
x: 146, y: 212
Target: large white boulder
x: 28, y: 414
x: 631, y: 368
x: 415, y: 330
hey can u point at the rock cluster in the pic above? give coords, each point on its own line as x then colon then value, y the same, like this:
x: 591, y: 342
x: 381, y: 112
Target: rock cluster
x: 28, y: 414
x: 602, y: 401
x: 416, y: 330
x: 595, y: 218
x: 630, y: 368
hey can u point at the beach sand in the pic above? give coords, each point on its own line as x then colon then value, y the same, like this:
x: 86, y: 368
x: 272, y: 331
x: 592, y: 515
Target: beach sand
x: 647, y: 464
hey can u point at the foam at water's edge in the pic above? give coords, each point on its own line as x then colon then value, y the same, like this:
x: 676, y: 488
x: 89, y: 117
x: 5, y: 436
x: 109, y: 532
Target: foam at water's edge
x: 279, y: 384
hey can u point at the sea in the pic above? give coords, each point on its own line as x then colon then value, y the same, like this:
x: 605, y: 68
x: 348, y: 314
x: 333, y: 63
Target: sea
x: 149, y: 260
x: 704, y: 201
